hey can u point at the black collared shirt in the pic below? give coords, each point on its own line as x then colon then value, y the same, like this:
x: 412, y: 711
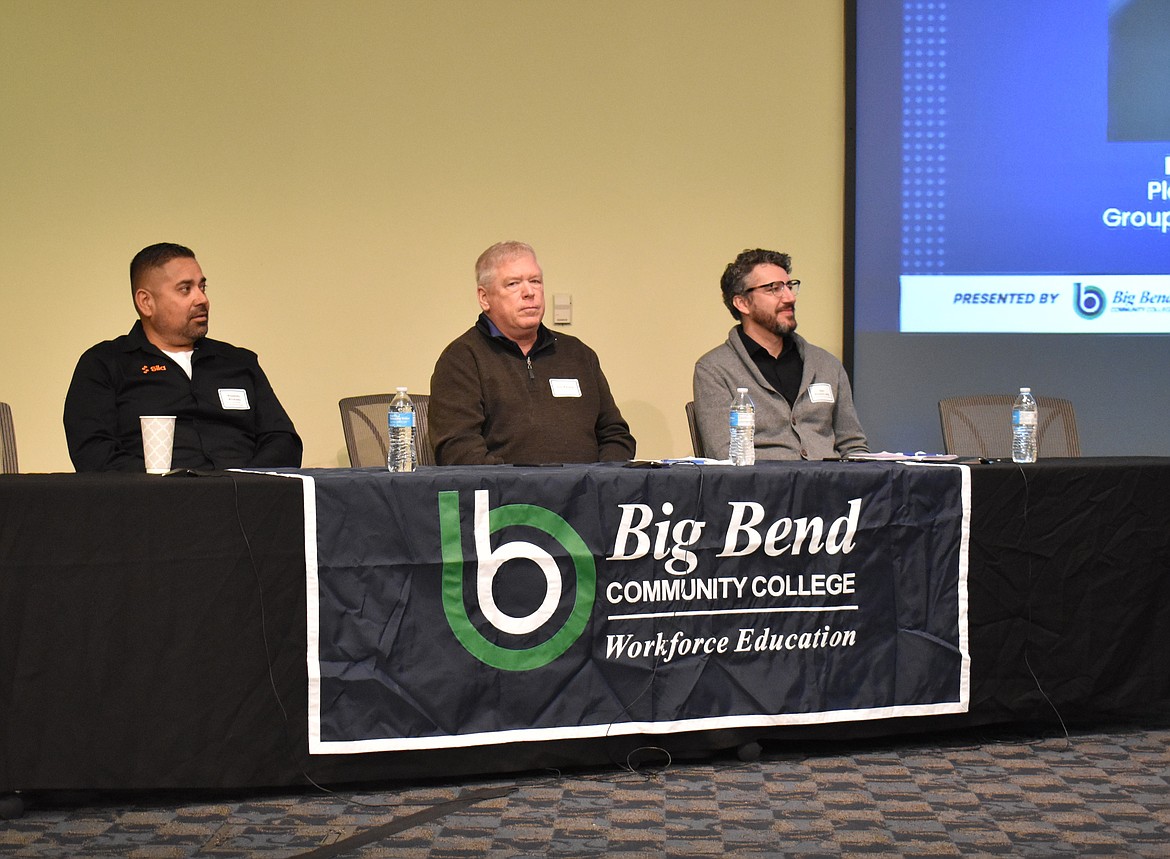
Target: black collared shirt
x: 228, y: 415
x: 783, y: 373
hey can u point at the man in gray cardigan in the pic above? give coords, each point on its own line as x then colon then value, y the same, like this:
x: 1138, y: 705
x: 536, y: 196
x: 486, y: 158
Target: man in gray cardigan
x: 804, y: 403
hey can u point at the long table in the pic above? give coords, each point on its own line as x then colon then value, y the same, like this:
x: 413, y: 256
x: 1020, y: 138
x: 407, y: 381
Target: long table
x: 153, y: 630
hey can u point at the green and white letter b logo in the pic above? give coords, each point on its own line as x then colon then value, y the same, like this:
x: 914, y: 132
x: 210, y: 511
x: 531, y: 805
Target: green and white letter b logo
x: 489, y: 562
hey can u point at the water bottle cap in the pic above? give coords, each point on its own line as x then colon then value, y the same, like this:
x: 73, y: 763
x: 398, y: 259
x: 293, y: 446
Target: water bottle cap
x: 401, y: 390
x: 1022, y: 390
x: 741, y: 390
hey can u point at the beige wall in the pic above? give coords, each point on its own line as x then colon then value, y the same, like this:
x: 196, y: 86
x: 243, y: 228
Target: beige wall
x: 337, y: 167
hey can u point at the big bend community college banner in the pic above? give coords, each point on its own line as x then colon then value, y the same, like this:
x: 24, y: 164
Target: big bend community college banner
x: 466, y: 606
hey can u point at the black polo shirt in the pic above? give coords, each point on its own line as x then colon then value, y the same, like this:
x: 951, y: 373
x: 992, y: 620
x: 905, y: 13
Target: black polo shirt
x: 782, y: 373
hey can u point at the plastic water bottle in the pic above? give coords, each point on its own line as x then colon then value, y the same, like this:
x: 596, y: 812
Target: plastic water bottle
x: 742, y: 450
x: 400, y: 454
x: 1024, y: 424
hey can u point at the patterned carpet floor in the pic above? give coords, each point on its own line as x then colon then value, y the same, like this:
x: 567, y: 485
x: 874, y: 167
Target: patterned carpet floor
x: 1102, y: 791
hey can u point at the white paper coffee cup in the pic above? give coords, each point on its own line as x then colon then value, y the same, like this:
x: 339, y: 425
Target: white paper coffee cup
x: 158, y: 440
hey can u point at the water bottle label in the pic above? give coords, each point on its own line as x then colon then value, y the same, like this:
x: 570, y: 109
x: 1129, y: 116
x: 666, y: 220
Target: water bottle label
x: 743, y: 419
x: 400, y: 419
x: 1024, y: 419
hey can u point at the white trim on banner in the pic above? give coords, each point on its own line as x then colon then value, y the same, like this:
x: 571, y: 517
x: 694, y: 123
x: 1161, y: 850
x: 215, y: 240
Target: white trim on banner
x: 760, y: 720
x: 614, y: 729
x: 964, y: 604
x: 312, y: 606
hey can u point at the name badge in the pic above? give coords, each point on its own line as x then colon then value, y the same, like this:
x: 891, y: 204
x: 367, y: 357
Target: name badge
x: 565, y: 387
x: 820, y: 392
x: 234, y: 398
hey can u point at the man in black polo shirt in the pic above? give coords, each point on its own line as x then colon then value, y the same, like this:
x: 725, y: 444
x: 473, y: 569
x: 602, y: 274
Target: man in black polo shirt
x: 227, y: 414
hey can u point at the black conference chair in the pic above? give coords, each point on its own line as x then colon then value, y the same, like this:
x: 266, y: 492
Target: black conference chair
x: 693, y: 426
x: 7, y: 441
x: 364, y: 421
x: 981, y: 425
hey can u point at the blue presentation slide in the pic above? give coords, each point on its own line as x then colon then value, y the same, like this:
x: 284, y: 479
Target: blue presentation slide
x: 1034, y: 168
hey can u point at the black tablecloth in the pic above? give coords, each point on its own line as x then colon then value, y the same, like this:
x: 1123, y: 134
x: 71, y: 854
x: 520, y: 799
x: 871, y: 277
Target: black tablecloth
x: 152, y: 630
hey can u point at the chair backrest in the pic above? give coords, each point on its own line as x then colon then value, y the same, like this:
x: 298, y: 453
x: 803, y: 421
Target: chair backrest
x: 7, y: 441
x: 693, y: 426
x: 982, y: 426
x: 364, y: 421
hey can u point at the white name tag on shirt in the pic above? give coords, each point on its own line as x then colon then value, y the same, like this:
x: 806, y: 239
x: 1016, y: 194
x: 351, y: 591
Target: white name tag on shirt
x: 820, y: 392
x: 565, y: 387
x: 234, y: 398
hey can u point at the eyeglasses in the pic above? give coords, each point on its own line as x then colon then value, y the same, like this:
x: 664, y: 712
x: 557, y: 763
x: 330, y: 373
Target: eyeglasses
x: 775, y: 287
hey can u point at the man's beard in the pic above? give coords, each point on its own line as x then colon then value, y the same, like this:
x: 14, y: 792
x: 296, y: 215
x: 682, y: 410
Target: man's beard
x: 194, y: 331
x: 771, y: 322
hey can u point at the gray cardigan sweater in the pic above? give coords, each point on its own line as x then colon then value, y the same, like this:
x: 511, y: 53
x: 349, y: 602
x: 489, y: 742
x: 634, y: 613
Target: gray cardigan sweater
x: 821, y: 424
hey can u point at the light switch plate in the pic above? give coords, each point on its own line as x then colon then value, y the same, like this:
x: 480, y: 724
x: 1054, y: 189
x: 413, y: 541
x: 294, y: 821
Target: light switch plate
x: 562, y: 308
